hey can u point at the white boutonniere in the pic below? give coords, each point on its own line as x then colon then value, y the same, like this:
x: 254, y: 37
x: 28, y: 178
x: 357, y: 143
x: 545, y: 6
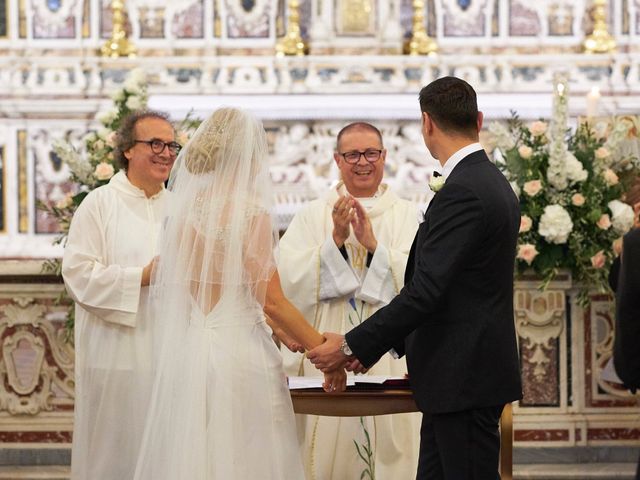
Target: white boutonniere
x: 436, y: 183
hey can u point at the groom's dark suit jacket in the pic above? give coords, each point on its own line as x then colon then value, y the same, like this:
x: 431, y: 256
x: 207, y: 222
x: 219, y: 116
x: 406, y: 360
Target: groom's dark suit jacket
x: 626, y: 349
x: 454, y: 316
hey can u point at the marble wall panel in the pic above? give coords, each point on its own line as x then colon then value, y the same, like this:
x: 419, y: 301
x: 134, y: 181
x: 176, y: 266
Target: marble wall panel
x: 54, y: 18
x: 248, y: 18
x: 3, y: 190
x: 599, y: 319
x: 51, y: 176
x: 189, y: 22
x: 465, y: 18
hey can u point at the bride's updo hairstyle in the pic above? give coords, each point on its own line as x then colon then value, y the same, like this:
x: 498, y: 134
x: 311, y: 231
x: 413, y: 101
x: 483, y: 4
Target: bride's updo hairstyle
x: 228, y: 135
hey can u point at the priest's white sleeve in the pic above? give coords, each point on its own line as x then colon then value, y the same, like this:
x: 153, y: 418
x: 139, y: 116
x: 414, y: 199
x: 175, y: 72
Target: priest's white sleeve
x: 337, y: 278
x: 378, y: 285
x: 110, y: 292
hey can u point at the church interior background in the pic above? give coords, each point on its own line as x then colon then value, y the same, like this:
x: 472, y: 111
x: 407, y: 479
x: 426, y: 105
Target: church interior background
x: 356, y: 62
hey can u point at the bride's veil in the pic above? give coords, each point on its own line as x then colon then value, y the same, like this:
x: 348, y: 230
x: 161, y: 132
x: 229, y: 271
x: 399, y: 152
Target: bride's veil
x: 216, y: 252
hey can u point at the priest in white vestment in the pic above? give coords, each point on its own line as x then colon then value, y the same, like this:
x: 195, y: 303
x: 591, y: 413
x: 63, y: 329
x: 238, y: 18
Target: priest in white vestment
x: 106, y: 268
x: 342, y: 258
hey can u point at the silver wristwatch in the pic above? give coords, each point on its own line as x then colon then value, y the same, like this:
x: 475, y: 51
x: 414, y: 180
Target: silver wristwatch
x: 344, y: 348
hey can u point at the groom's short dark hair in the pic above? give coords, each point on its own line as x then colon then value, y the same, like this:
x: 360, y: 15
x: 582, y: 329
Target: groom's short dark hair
x: 451, y: 103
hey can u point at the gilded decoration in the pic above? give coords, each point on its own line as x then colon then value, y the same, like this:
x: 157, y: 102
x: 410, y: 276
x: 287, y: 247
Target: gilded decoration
x: 356, y: 17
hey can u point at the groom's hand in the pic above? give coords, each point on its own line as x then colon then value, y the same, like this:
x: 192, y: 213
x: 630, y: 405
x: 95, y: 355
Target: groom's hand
x: 328, y: 356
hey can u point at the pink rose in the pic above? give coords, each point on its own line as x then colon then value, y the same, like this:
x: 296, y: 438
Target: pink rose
x: 532, y: 187
x: 610, y: 177
x: 182, y: 138
x: 604, y: 222
x: 601, y: 153
x: 111, y: 139
x: 538, y: 128
x: 527, y: 252
x: 577, y: 199
x: 525, y: 223
x: 598, y: 260
x: 103, y: 171
x: 617, y: 246
x: 525, y: 151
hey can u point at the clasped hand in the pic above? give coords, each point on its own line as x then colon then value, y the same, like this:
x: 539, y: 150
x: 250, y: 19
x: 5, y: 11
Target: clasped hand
x: 348, y: 212
x: 329, y: 359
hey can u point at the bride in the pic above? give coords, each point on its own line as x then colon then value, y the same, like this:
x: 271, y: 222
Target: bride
x: 220, y: 406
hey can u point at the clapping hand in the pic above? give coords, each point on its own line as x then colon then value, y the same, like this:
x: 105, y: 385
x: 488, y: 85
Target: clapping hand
x: 342, y: 215
x: 362, y: 228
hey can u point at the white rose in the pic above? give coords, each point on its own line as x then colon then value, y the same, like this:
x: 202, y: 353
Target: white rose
x: 555, y: 224
x: 538, y: 128
x: 118, y: 95
x: 65, y: 202
x: 107, y: 117
x: 103, y: 171
x: 525, y: 151
x: 135, y: 80
x: 436, y: 183
x: 575, y: 170
x: 134, y: 103
x: 622, y: 216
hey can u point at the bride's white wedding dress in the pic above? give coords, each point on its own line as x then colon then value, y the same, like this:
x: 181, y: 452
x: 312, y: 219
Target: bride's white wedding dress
x: 220, y: 406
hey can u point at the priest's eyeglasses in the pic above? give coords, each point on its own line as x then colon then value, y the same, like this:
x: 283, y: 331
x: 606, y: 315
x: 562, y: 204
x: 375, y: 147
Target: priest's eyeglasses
x: 370, y: 155
x: 158, y: 146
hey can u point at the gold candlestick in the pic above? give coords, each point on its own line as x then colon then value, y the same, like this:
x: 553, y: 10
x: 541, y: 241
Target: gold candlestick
x: 118, y: 45
x: 599, y: 41
x: 291, y: 43
x: 420, y: 43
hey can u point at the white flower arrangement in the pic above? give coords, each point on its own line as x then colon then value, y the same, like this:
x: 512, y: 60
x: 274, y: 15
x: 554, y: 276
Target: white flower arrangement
x: 569, y: 184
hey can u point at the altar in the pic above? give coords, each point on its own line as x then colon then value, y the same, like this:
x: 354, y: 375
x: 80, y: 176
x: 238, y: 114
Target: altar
x: 379, y: 401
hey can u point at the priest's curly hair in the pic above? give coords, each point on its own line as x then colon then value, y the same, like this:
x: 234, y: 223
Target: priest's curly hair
x: 126, y: 136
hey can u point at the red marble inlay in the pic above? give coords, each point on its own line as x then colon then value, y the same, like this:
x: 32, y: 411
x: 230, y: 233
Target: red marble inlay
x: 613, y: 433
x: 540, y: 435
x: 35, y: 437
x: 540, y: 390
x: 578, y: 434
x: 588, y: 356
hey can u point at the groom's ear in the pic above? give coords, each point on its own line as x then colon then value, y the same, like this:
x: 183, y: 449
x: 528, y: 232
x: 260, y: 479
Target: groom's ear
x: 479, y: 121
x: 427, y: 123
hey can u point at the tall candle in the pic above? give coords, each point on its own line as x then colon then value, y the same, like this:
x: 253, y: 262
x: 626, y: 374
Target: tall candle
x: 593, y: 98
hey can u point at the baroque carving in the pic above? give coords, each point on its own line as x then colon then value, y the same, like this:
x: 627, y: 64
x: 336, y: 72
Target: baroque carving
x: 36, y: 365
x: 540, y: 317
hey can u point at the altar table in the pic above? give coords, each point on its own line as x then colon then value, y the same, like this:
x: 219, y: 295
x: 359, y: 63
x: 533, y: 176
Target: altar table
x: 361, y: 402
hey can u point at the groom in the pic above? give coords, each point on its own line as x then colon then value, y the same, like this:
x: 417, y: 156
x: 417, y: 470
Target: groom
x: 454, y: 317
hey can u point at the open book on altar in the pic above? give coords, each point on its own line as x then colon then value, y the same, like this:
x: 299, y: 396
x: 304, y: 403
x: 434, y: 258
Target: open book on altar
x: 364, y: 382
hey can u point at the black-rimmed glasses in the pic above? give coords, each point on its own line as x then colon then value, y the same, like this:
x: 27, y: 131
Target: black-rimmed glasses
x: 370, y: 155
x: 158, y: 146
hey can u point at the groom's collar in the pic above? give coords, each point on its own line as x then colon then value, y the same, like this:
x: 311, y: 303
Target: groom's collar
x: 455, y: 159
